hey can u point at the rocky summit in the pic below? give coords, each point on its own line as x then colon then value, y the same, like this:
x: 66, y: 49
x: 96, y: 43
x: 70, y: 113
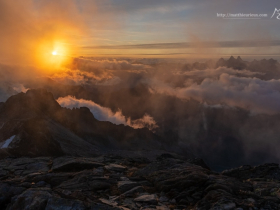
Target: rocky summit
x: 116, y: 182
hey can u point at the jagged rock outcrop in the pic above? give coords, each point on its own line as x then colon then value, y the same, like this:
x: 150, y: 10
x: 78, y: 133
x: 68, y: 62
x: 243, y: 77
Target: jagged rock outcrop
x: 164, y: 183
x: 264, y: 69
x: 235, y: 63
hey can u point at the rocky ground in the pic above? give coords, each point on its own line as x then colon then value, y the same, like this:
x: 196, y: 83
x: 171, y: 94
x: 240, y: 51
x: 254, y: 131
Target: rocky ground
x: 115, y: 182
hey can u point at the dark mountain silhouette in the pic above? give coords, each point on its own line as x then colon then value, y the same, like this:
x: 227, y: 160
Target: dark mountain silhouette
x: 268, y: 69
x: 218, y: 135
x: 34, y: 124
x: 235, y: 63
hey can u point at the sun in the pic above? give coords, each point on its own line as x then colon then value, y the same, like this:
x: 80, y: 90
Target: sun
x: 50, y: 55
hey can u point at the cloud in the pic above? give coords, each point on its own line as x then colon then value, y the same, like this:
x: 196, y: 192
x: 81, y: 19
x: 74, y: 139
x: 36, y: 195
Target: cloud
x: 20, y: 88
x: 91, y: 64
x: 106, y: 114
x: 146, y: 121
x: 179, y: 45
x: 99, y: 112
x: 215, y: 73
x: 12, y: 80
x: 9, y: 89
x: 92, y: 71
x: 78, y: 77
x: 253, y: 94
x: 146, y: 5
x: 96, y: 71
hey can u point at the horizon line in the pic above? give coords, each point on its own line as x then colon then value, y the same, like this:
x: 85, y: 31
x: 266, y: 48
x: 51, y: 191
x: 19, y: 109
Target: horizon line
x: 199, y: 44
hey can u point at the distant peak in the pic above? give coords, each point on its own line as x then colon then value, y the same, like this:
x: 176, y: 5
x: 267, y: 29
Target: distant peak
x: 39, y: 91
x: 272, y: 60
x: 39, y: 98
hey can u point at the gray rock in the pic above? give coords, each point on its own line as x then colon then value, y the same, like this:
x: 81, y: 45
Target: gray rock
x: 129, y: 203
x: 76, y: 183
x: 99, y: 185
x: 31, y: 199
x: 53, y: 179
x: 3, y: 173
x: 66, y: 164
x: 134, y: 191
x: 24, y: 166
x: 266, y: 171
x: 115, y: 167
x: 99, y: 206
x: 108, y: 202
x: 180, y: 184
x: 98, y: 171
x: 41, y: 184
x: 56, y: 203
x: 163, y: 199
x: 229, y: 206
x: 152, y: 199
x: 7, y: 191
x: 124, y: 186
x: 124, y: 179
x: 162, y: 207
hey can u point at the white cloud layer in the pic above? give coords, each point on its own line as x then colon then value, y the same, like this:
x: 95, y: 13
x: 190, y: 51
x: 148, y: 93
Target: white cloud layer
x: 214, y: 73
x: 256, y: 95
x: 106, y: 114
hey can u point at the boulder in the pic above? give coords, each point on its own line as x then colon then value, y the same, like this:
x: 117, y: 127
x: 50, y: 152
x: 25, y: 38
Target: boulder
x: 56, y: 203
x: 134, y: 191
x: 151, y: 199
x: 31, y: 199
x: 115, y: 167
x: 66, y: 164
x: 124, y: 186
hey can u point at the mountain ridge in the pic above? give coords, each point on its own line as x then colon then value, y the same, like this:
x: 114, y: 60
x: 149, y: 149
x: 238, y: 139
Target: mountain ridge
x: 36, y: 115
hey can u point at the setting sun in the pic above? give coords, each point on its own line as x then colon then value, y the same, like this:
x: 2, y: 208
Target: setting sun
x: 51, y: 55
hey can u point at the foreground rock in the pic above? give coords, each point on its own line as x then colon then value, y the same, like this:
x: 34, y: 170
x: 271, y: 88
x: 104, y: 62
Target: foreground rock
x: 109, y: 182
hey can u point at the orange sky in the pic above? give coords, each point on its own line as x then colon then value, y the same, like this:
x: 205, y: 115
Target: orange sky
x: 31, y: 30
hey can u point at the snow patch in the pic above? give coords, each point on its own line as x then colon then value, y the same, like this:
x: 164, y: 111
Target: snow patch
x: 7, y: 142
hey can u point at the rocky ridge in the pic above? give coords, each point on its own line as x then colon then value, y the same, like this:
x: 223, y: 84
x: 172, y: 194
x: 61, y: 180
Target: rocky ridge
x: 33, y: 124
x: 116, y: 182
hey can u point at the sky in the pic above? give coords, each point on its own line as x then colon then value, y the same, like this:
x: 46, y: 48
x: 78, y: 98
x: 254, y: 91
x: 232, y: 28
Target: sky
x: 126, y: 28
x: 182, y: 28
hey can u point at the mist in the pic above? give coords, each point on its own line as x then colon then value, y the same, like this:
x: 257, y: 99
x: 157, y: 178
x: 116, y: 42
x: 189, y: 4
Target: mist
x: 208, y: 107
x: 256, y: 95
x: 106, y: 114
x: 132, y: 73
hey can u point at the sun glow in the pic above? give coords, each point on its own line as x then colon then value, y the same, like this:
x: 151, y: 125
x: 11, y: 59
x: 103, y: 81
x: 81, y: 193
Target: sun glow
x: 52, y: 55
